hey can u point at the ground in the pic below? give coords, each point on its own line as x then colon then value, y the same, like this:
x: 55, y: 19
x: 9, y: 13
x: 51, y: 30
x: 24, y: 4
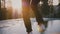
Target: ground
x: 16, y: 26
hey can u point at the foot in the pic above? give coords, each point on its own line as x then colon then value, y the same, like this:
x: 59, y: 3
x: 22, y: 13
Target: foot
x: 29, y: 33
x: 41, y: 28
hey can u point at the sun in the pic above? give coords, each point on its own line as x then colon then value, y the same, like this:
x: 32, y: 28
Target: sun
x: 16, y: 4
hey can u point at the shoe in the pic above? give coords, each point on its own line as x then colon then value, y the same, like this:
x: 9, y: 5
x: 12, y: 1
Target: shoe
x: 29, y: 33
x: 41, y: 28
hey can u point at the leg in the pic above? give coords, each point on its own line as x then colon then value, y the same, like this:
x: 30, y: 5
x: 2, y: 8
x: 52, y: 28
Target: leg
x: 38, y: 14
x: 36, y: 11
x: 26, y: 17
x: 28, y: 25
